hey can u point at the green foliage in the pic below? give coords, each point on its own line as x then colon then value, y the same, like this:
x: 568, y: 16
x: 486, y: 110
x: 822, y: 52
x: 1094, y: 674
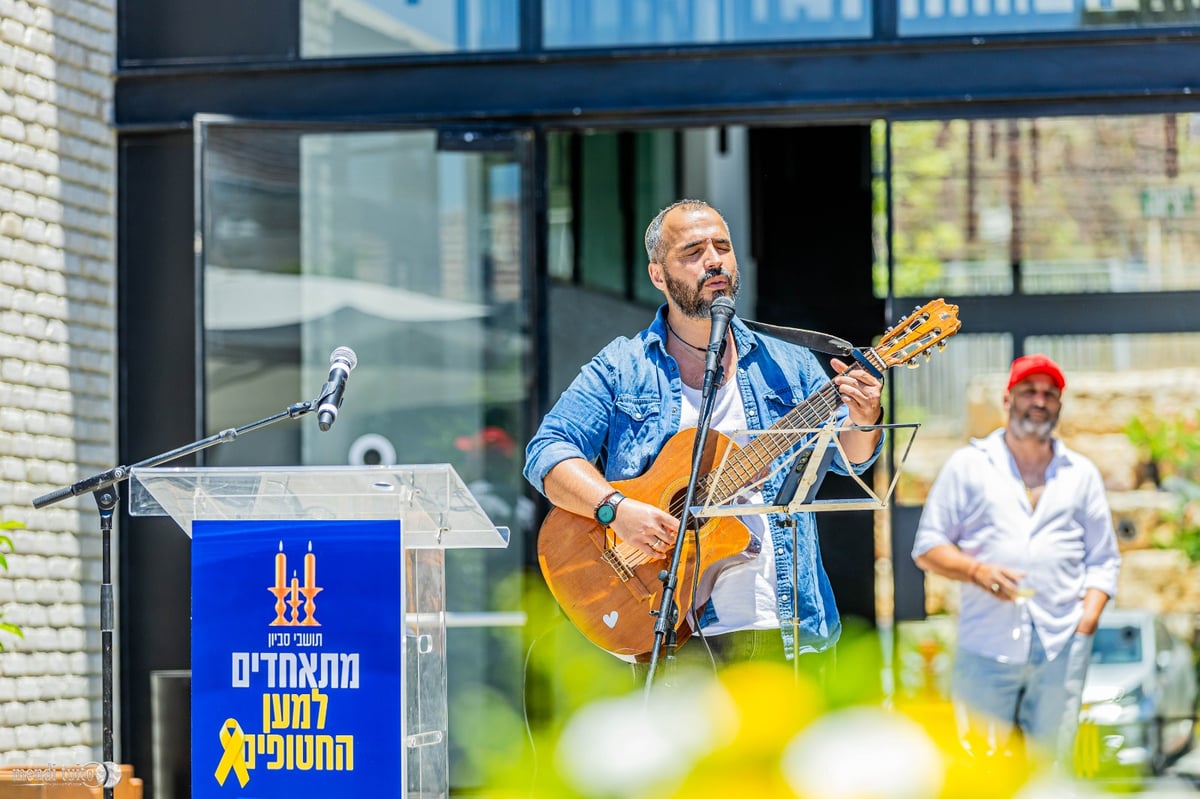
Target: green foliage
x: 589, y: 729
x: 6, y: 542
x: 1170, y: 448
x: 1171, y: 445
x: 922, y: 237
x: 1073, y: 186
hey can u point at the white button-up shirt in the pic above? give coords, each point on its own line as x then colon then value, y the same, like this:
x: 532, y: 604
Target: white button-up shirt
x: 1065, y: 545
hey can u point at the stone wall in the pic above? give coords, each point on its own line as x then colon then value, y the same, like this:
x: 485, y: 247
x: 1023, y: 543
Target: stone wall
x: 57, y: 365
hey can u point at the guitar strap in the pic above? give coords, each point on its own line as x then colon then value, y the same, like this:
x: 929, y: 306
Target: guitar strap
x: 821, y: 342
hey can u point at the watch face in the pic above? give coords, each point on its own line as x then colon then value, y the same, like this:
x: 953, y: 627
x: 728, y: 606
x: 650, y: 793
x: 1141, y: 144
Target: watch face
x: 606, y: 513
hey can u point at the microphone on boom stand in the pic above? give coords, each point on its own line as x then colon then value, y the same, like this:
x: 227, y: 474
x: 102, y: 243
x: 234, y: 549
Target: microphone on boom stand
x: 668, y: 612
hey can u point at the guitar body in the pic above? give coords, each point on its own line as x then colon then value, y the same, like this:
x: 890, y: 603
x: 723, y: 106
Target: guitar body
x: 608, y: 589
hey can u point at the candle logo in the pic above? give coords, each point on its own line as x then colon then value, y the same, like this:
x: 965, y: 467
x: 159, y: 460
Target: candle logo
x: 287, y: 593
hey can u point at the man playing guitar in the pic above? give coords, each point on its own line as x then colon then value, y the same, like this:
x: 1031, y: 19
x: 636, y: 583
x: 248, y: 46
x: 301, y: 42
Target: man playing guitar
x: 624, y: 411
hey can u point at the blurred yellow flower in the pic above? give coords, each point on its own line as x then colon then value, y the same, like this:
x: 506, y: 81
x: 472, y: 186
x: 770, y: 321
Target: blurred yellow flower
x: 757, y: 730
x: 970, y: 774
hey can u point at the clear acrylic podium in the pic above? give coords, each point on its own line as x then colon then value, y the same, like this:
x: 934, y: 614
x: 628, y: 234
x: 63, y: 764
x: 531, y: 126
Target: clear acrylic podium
x: 436, y: 512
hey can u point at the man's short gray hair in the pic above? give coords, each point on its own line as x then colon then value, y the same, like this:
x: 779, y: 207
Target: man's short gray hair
x: 654, y: 229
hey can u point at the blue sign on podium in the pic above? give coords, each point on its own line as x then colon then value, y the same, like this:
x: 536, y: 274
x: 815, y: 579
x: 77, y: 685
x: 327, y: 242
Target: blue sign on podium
x: 297, y: 662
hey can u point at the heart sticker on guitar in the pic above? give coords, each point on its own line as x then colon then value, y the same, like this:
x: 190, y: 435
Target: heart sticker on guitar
x: 610, y: 619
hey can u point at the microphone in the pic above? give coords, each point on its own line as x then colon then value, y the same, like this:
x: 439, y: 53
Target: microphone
x: 341, y: 362
x: 722, y: 312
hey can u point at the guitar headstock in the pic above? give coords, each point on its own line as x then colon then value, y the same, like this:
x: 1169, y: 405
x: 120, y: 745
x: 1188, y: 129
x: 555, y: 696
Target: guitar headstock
x: 927, y: 326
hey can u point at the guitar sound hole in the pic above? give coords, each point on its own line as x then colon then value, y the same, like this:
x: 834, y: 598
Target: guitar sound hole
x: 677, y: 505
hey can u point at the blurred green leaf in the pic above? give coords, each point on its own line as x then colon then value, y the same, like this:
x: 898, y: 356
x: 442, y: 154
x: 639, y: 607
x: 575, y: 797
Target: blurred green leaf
x: 5, y: 541
x: 1170, y: 451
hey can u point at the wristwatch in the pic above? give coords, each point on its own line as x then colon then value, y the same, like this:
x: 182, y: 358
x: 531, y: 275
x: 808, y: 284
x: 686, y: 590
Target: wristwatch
x: 606, y: 511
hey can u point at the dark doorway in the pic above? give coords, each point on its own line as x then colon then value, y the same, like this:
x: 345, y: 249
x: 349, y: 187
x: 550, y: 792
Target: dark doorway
x: 811, y: 234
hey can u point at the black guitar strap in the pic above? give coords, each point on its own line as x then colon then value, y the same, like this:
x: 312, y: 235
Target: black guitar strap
x: 820, y: 342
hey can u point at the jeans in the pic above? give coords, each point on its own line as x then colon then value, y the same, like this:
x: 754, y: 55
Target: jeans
x: 1040, y: 698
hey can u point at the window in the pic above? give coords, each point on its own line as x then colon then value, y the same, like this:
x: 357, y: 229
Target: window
x: 407, y: 247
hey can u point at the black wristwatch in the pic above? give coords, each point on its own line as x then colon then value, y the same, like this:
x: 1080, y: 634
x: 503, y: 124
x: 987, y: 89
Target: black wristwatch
x: 606, y: 511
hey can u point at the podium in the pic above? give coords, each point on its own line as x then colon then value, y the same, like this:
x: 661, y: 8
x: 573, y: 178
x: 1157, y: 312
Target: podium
x: 318, y: 686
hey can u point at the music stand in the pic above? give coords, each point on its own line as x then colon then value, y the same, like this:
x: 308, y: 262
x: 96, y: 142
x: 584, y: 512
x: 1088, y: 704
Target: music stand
x: 806, y: 471
x: 806, y: 466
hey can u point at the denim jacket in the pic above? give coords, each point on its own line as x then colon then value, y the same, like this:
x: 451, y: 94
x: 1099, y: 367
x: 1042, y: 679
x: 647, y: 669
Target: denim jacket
x: 624, y: 406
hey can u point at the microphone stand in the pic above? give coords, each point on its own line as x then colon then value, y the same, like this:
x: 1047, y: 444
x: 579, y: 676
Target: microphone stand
x: 103, y: 487
x: 668, y: 612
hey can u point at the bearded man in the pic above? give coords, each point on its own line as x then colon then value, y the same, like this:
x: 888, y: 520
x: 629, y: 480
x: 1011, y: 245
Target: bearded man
x: 614, y: 419
x: 1023, y: 522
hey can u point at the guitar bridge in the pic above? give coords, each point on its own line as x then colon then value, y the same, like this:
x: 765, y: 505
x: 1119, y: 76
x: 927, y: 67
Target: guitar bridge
x: 614, y: 561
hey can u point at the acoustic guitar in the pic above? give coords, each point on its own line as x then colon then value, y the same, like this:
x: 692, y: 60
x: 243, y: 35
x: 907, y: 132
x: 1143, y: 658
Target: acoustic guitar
x: 610, y: 590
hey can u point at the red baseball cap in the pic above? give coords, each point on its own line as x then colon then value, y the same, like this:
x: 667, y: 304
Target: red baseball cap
x: 1029, y: 365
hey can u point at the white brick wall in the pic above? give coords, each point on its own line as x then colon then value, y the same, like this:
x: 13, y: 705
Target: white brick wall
x: 57, y: 360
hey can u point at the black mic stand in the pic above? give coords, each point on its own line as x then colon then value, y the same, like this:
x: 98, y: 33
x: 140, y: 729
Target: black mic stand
x: 668, y: 612
x: 103, y: 487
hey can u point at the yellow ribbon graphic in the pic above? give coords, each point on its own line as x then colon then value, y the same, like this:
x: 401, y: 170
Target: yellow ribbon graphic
x: 232, y: 740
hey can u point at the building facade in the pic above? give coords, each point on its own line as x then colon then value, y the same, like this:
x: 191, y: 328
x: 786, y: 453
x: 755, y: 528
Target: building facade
x: 457, y: 191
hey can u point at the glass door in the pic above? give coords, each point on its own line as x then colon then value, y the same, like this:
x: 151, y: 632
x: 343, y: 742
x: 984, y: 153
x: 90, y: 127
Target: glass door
x: 1076, y: 237
x: 407, y: 246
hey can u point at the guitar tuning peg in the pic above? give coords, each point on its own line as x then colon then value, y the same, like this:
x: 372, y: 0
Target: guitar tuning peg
x: 912, y: 363
x: 928, y: 355
x: 941, y: 345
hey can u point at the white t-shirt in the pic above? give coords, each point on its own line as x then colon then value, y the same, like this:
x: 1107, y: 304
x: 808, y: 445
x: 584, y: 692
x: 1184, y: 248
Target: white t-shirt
x: 744, y: 595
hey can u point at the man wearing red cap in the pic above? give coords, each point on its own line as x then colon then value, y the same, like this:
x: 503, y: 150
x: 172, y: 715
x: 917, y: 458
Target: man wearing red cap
x: 1023, y: 522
